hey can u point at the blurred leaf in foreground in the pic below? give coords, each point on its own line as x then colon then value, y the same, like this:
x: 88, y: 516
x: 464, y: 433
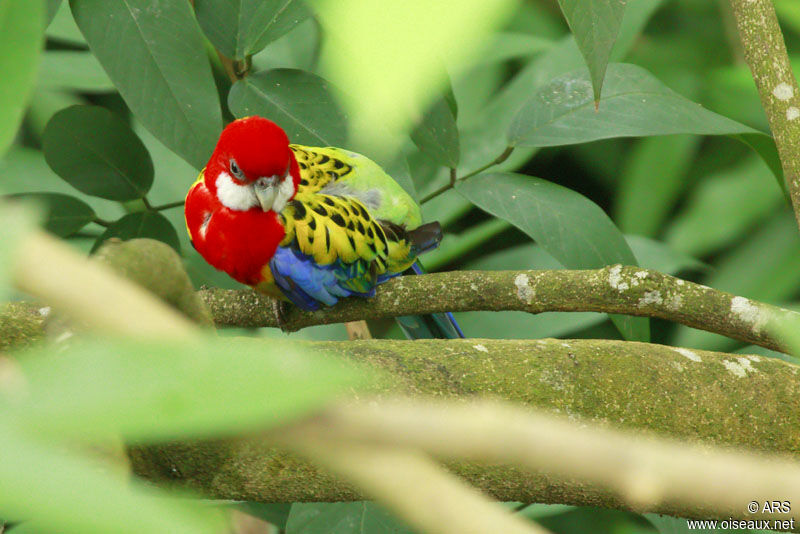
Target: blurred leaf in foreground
x: 53, y: 491
x: 386, y: 55
x: 21, y: 23
x: 16, y: 222
x: 162, y: 390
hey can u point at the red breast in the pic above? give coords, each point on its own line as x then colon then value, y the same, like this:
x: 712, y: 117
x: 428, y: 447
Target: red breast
x: 240, y: 243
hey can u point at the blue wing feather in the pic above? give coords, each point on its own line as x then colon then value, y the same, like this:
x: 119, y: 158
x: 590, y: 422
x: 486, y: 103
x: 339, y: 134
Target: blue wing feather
x: 307, y: 284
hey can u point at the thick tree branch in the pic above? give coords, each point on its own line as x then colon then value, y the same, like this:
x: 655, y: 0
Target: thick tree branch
x: 616, y: 289
x: 765, y: 52
x: 723, y: 399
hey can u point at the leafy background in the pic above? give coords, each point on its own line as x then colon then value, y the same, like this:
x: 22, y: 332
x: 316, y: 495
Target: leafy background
x: 120, y: 122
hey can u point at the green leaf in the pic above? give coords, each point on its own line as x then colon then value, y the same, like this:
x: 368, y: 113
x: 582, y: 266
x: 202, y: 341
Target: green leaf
x: 634, y: 103
x: 23, y: 170
x: 672, y: 525
x: 21, y: 24
x: 298, y: 49
x: 362, y: 517
x: 299, y: 102
x: 153, y: 51
x: 79, y: 71
x: 274, y: 513
x: 65, y: 215
x: 141, y: 224
x: 61, y: 492
x: 239, y: 28
x: 642, y: 201
x: 455, y: 246
x: 736, y: 199
x: 44, y: 104
x: 486, y: 141
x: 636, y: 16
x: 505, y: 46
x: 52, y: 8
x: 97, y: 153
x: 540, y: 510
x: 63, y: 28
x: 595, y: 25
x: 789, y: 13
x: 559, y: 59
x: 437, y: 134
x: 201, y: 388
x: 566, y: 224
x: 661, y: 257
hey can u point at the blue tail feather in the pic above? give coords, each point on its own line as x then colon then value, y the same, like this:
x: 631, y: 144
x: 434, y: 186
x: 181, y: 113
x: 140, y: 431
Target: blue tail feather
x: 433, y: 326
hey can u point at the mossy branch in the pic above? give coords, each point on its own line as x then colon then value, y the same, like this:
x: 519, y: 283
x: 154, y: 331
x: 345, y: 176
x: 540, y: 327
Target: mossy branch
x: 714, y: 398
x: 616, y: 289
x: 765, y: 53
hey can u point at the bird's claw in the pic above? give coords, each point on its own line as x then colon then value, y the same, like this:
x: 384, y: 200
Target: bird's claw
x: 280, y: 311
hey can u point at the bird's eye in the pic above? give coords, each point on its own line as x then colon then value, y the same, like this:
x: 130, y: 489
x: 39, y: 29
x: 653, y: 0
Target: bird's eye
x: 235, y: 170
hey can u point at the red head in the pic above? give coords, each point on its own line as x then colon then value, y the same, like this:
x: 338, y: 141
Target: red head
x: 232, y: 215
x: 252, y: 166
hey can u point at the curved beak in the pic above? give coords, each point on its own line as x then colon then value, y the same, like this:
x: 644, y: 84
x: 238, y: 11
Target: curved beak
x: 266, y: 189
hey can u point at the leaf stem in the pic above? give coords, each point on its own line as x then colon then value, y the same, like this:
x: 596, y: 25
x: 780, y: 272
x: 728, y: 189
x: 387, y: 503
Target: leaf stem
x: 242, y: 67
x: 146, y: 203
x: 453, y: 179
x: 168, y: 205
x: 101, y: 222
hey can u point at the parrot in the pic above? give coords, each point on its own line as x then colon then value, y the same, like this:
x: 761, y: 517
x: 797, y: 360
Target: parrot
x: 307, y: 225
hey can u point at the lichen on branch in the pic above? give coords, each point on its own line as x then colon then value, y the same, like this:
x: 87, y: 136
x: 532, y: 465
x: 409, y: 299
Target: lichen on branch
x: 765, y: 53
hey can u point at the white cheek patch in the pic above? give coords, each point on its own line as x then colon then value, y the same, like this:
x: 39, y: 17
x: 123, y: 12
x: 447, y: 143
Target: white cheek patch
x: 234, y: 196
x: 285, y: 192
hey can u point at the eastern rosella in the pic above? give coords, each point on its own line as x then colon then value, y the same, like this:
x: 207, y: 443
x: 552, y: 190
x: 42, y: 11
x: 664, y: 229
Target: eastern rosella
x: 307, y: 224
